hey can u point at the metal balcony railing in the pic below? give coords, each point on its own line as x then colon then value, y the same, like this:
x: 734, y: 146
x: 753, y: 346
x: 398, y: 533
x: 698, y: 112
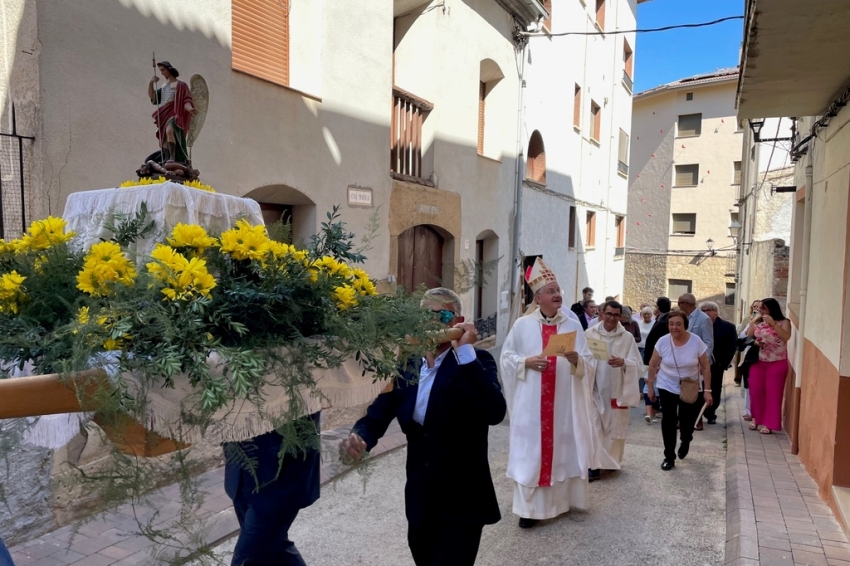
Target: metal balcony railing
x: 486, y: 326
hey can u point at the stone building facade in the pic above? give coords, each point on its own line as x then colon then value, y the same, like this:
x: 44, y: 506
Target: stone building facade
x: 683, y: 188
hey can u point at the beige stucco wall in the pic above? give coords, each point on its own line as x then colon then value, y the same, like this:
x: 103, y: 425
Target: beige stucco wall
x: 647, y: 277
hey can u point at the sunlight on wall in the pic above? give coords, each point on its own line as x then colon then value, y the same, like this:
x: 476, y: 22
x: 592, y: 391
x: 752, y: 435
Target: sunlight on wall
x: 209, y: 17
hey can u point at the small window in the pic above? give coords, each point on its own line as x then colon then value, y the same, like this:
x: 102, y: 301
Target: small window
x: 684, y: 224
x: 577, y: 108
x: 590, y: 239
x: 689, y: 96
x: 623, y: 154
x: 678, y: 287
x: 690, y: 125
x: 736, y: 173
x: 535, y: 169
x: 547, y: 23
x: 572, y: 237
x: 730, y: 295
x: 739, y: 126
x: 600, y: 14
x: 628, y: 58
x: 687, y: 175
x: 595, y: 120
x: 620, y: 226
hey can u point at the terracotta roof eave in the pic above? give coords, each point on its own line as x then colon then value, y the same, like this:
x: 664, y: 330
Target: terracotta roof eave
x: 692, y: 83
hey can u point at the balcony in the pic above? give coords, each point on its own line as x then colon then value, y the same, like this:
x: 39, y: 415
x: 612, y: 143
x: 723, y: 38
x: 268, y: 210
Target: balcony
x: 627, y: 82
x: 409, y: 112
x: 622, y: 169
x: 486, y: 326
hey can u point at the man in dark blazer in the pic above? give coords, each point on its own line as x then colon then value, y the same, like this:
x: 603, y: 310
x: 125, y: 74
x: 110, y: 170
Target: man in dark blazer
x: 658, y: 329
x: 725, y: 345
x: 445, y: 404
x: 268, y: 496
x: 578, y: 308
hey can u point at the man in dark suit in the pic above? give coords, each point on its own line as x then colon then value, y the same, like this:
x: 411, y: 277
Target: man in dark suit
x: 445, y: 404
x: 268, y: 496
x: 578, y: 308
x: 658, y: 329
x: 725, y: 344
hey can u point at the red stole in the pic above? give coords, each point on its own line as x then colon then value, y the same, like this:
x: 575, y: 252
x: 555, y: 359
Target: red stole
x: 547, y: 410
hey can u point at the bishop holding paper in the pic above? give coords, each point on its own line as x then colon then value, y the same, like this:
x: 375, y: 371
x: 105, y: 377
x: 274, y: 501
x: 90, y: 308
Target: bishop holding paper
x: 549, y: 405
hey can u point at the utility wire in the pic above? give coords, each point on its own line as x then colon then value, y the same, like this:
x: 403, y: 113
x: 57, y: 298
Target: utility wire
x: 647, y: 30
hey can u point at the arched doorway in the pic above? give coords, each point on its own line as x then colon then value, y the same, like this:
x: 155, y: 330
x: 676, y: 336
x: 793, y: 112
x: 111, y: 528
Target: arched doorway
x: 420, y: 258
x: 280, y: 202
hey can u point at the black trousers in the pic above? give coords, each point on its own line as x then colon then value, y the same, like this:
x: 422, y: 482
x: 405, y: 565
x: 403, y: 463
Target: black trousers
x: 676, y: 412
x: 444, y: 544
x: 716, y: 390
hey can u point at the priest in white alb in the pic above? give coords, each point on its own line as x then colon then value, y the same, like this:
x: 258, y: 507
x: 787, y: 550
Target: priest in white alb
x: 549, y: 404
x: 615, y: 386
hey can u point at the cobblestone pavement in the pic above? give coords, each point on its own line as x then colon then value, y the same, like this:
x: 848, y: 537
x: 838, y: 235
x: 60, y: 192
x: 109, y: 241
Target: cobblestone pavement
x: 774, y: 516
x: 112, y: 538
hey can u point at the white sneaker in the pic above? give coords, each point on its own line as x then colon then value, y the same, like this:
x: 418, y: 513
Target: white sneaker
x: 647, y: 418
x: 655, y: 420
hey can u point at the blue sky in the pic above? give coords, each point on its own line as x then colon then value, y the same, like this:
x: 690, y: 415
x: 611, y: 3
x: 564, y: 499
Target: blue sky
x: 666, y: 56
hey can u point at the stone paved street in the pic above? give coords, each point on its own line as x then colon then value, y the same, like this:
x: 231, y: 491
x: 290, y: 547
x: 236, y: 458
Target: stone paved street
x: 638, y: 516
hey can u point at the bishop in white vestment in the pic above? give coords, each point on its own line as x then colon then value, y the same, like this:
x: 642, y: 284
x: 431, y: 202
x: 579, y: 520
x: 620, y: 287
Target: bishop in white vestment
x: 615, y: 386
x: 549, y: 404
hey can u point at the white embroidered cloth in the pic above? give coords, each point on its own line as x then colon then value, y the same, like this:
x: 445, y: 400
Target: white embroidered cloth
x: 168, y: 204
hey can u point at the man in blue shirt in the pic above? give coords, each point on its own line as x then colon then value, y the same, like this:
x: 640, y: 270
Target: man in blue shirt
x: 445, y: 404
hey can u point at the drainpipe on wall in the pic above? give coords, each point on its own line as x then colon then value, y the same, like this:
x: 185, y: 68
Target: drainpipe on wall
x: 804, y: 289
x: 515, y: 273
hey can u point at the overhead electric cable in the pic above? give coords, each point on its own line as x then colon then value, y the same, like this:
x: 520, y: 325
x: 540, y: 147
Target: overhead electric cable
x: 647, y: 30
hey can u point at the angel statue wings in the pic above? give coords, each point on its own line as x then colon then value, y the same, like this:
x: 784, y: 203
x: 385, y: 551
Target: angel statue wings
x: 179, y: 116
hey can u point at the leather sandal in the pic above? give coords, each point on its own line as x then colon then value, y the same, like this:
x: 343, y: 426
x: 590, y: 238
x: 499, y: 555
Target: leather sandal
x: 754, y: 426
x: 765, y: 430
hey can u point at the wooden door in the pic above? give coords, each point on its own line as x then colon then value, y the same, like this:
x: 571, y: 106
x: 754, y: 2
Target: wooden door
x: 420, y: 258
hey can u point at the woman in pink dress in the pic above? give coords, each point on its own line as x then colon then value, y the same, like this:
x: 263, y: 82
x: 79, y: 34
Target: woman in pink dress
x: 767, y: 376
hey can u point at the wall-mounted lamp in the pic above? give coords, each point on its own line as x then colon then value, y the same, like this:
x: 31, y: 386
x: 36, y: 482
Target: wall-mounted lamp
x: 756, y: 124
x: 735, y: 231
x: 710, y: 243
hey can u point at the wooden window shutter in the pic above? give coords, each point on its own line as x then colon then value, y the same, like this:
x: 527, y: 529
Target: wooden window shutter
x: 678, y: 287
x: 482, y: 92
x: 261, y: 39
x: 577, y: 107
x: 687, y: 175
x: 690, y: 125
x: 620, y: 224
x: 736, y: 179
x: 623, y: 151
x: 590, y: 240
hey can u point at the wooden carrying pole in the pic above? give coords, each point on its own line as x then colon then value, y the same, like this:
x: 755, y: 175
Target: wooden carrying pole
x: 50, y: 394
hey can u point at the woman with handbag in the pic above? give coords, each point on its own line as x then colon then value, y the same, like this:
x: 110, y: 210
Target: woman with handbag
x: 680, y: 365
x: 767, y: 376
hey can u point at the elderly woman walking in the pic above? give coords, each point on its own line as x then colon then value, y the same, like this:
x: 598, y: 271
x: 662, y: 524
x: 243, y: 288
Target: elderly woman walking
x: 680, y: 365
x: 767, y: 376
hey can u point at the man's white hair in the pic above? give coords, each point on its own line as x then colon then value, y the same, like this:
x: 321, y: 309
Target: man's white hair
x: 710, y: 305
x: 444, y: 296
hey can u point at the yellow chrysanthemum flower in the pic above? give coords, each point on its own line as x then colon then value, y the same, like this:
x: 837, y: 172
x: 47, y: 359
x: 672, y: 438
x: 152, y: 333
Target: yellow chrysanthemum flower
x: 142, y: 182
x: 9, y: 247
x: 345, y: 297
x: 44, y: 234
x: 191, y: 236
x: 11, y: 294
x: 183, y: 278
x: 83, y: 315
x: 246, y: 242
x: 195, y: 184
x: 103, y: 266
